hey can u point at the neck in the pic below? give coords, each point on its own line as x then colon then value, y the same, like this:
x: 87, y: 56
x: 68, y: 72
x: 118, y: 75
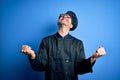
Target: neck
x: 63, y: 31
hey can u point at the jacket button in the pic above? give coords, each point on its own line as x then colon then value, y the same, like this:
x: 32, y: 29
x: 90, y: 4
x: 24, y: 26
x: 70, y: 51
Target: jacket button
x: 66, y: 72
x: 66, y: 60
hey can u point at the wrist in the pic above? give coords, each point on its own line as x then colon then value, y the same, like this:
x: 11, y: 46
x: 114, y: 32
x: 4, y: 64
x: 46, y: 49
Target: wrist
x: 93, y: 59
x: 32, y: 56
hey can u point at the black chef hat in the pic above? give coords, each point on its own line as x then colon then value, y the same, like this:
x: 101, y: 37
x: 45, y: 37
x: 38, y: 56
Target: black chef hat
x: 73, y: 18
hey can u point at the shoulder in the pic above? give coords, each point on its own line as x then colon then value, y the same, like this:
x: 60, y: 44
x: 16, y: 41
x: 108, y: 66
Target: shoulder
x: 48, y: 37
x: 78, y: 43
x: 46, y: 40
x: 76, y: 39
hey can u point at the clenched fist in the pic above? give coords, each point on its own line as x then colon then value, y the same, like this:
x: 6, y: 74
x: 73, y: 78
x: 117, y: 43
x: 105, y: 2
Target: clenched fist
x: 28, y: 51
x: 99, y: 52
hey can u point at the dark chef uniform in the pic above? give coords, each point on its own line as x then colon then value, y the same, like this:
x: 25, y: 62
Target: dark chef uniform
x: 61, y: 58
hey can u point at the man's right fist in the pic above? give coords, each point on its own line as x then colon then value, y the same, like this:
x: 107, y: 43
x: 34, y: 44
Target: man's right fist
x: 28, y: 51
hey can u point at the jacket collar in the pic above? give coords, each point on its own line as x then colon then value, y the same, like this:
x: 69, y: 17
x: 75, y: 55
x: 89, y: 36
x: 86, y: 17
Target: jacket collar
x: 57, y: 35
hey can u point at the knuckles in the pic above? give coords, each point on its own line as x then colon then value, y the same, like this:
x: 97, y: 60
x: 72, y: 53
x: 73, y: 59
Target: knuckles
x: 25, y: 49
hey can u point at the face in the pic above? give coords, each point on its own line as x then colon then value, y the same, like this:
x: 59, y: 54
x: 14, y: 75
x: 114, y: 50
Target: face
x: 65, y: 19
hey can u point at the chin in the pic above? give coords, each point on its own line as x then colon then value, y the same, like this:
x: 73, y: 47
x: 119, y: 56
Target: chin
x: 62, y: 23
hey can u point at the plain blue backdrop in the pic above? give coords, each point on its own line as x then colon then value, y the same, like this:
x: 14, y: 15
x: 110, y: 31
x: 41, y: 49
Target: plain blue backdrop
x: 28, y: 21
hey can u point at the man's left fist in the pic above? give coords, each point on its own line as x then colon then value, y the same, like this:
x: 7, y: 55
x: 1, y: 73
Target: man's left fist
x: 99, y: 52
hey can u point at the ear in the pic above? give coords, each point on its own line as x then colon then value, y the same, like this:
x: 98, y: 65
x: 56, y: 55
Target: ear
x: 71, y: 26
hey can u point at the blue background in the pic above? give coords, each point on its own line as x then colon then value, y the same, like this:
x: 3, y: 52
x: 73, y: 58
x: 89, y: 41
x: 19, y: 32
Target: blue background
x: 28, y: 21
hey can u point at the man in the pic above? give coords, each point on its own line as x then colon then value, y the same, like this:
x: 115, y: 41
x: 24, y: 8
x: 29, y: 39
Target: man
x: 61, y: 55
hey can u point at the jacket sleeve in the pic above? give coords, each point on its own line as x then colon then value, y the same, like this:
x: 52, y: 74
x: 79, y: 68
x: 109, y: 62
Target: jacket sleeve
x: 83, y: 65
x: 40, y: 62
